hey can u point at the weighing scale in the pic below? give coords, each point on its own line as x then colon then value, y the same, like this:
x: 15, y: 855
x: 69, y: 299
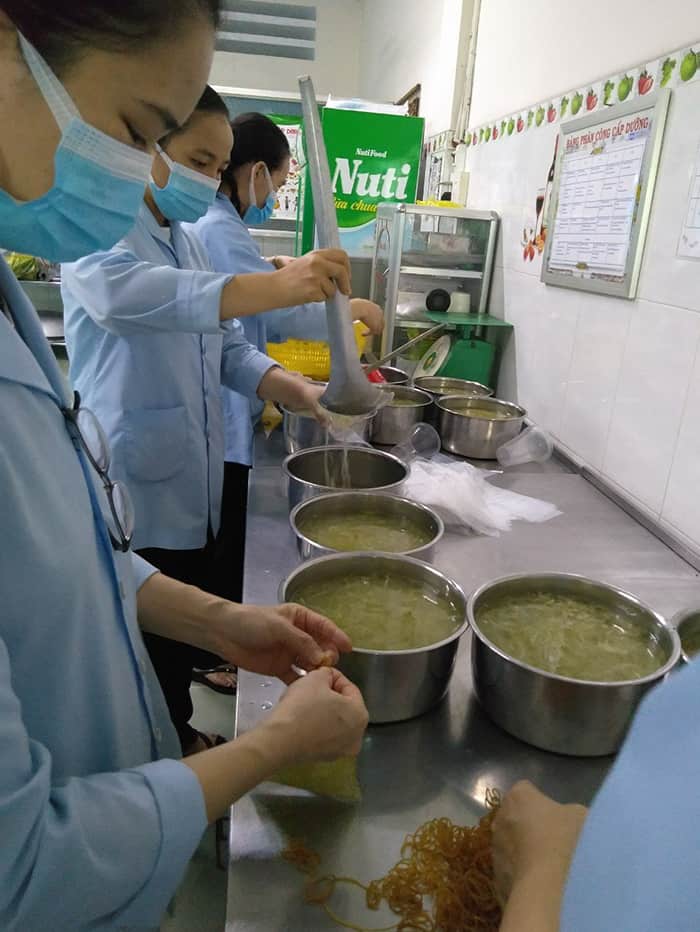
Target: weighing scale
x: 466, y: 353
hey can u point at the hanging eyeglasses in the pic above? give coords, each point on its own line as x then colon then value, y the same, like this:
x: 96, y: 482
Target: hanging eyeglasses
x: 86, y: 429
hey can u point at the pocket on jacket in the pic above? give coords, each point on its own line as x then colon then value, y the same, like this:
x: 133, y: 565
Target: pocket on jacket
x: 155, y: 441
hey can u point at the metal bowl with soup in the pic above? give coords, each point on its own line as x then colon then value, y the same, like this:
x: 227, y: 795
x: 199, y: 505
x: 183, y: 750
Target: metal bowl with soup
x: 477, y: 427
x: 439, y: 386
x: 393, y: 422
x: 562, y: 661
x: 343, y: 522
x: 404, y: 618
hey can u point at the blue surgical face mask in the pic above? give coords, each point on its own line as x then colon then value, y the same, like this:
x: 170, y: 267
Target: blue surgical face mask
x: 97, y: 190
x: 255, y: 214
x: 187, y: 196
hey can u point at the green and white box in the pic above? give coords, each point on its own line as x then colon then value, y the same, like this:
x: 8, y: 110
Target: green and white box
x: 373, y: 158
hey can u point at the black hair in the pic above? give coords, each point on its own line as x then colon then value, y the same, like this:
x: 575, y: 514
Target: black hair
x: 63, y: 29
x: 255, y: 139
x: 209, y: 102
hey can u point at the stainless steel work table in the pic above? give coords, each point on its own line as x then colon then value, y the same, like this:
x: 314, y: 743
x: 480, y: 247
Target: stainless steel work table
x: 441, y: 763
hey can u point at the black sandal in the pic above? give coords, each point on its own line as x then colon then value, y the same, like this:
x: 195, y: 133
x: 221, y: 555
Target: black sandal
x: 201, y: 676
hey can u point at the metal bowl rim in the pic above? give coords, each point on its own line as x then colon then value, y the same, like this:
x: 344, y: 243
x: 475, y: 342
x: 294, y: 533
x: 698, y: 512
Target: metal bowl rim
x: 347, y: 493
x: 392, y: 387
x: 685, y: 614
x: 659, y: 673
x: 441, y: 403
x: 399, y: 558
x: 450, y: 378
x: 310, y: 417
x: 382, y: 454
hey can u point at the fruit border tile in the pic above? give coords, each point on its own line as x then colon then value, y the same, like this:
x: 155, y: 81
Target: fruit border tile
x: 672, y: 70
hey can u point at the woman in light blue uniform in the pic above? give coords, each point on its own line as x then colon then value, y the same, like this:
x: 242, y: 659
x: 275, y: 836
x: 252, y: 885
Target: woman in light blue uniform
x: 148, y: 354
x: 632, y: 863
x: 98, y: 816
x: 258, y: 168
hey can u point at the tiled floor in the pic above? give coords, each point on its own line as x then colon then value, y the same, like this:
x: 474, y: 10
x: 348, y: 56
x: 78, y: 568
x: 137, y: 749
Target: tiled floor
x: 200, y: 904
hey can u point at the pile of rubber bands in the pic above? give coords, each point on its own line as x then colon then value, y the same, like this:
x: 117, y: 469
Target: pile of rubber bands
x: 443, y: 881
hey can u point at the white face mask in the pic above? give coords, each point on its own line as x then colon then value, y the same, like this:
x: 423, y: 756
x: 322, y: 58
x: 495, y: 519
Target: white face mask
x: 97, y: 190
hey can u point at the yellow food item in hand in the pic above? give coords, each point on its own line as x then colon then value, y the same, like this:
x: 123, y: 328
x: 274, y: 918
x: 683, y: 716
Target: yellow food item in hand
x: 271, y: 417
x: 337, y: 778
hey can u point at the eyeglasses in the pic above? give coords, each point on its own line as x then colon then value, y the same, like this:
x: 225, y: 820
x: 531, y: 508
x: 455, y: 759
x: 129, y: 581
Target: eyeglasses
x: 84, y: 428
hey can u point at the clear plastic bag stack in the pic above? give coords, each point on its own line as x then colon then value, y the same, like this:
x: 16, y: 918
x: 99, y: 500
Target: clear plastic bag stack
x: 465, y: 499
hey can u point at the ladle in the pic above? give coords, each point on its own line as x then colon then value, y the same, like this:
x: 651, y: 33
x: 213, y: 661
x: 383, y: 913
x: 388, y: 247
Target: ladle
x: 348, y: 391
x: 375, y: 363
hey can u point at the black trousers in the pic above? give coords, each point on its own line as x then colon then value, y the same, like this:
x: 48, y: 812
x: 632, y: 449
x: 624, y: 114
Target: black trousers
x: 218, y: 568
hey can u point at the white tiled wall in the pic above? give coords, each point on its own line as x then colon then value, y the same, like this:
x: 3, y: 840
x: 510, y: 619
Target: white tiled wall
x: 617, y: 382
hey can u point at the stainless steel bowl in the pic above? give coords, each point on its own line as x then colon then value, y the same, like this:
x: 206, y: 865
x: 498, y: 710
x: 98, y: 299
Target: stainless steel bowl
x: 438, y: 386
x: 302, y: 431
x: 477, y: 437
x: 394, y: 422
x: 392, y: 374
x: 557, y: 713
x: 312, y: 472
x: 336, y: 504
x: 401, y: 684
x: 687, y: 624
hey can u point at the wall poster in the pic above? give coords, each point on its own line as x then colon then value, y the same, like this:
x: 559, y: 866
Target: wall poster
x: 601, y: 200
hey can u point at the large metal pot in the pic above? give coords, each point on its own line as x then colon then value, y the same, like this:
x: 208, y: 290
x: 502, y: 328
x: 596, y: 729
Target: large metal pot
x: 401, y: 684
x: 557, y: 713
x: 687, y: 624
x: 302, y: 431
x: 320, y: 469
x: 394, y: 422
x: 439, y: 386
x: 336, y: 504
x: 477, y: 437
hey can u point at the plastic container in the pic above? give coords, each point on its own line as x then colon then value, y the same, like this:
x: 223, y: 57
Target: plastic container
x: 311, y: 358
x: 532, y: 445
x: 423, y: 442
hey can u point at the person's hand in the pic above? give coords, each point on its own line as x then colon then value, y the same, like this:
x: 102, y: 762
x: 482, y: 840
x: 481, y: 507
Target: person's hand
x: 294, y: 392
x: 369, y: 313
x: 533, y: 834
x: 314, y: 277
x: 281, y: 262
x: 321, y: 717
x: 270, y: 640
x: 304, y: 395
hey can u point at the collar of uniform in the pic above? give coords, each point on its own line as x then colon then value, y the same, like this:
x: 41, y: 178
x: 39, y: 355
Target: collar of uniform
x: 25, y: 355
x: 223, y: 203
x: 152, y: 225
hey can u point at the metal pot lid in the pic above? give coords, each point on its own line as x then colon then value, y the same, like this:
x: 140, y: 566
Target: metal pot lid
x: 435, y: 358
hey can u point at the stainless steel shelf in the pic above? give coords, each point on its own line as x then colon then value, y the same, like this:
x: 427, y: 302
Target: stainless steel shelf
x: 439, y: 273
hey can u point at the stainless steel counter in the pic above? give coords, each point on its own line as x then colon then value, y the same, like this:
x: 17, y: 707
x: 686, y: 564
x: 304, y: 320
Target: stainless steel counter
x: 442, y: 763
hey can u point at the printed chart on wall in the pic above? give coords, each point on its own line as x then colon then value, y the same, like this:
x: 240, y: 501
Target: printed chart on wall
x: 689, y: 246
x: 288, y: 195
x: 603, y: 187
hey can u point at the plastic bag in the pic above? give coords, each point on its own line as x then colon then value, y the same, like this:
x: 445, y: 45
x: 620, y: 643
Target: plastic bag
x: 271, y: 418
x: 464, y: 499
